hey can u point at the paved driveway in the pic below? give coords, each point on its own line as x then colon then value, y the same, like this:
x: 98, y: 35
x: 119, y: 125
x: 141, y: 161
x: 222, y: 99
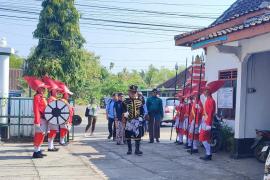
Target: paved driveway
x: 93, y: 158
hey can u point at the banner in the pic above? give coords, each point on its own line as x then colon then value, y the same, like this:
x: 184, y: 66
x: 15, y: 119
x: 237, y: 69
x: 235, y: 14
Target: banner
x: 225, y: 98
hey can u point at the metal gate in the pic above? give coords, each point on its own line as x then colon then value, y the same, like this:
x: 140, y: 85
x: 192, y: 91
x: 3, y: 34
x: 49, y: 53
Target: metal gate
x: 16, y: 118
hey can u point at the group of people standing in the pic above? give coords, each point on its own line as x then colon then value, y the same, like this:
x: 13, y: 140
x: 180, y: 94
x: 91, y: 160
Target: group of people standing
x: 127, y: 118
x: 194, y: 119
x: 57, y: 90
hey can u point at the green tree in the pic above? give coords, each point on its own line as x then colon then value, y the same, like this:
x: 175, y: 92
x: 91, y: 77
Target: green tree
x: 59, y: 50
x: 16, y: 62
x: 111, y: 66
x: 150, y: 76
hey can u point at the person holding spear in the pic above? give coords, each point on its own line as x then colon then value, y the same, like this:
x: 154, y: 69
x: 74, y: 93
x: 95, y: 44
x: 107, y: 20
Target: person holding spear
x: 209, y: 111
x: 196, y: 116
x: 188, y: 109
x: 181, y: 111
x: 197, y: 112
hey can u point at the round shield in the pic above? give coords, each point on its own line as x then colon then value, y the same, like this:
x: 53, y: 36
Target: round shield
x: 57, y: 112
x: 76, y: 120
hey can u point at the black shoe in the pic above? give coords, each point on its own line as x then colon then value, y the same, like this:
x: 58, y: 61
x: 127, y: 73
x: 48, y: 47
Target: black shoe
x: 118, y: 143
x: 137, y: 150
x: 206, y: 158
x: 53, y: 150
x: 129, y: 152
x: 151, y: 141
x: 175, y: 142
x: 109, y: 137
x: 114, y: 138
x: 194, y: 151
x: 157, y: 140
x: 139, y: 153
x: 40, y: 152
x: 187, y: 147
x: 180, y: 143
x: 37, y: 155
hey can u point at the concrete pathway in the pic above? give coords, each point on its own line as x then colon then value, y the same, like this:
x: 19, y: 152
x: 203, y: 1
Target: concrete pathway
x: 95, y: 158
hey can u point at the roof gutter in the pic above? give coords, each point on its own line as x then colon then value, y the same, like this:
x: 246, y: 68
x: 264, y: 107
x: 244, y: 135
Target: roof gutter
x: 187, y: 38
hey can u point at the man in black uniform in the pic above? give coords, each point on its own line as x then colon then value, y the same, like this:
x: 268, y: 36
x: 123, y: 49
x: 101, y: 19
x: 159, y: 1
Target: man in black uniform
x: 133, y: 114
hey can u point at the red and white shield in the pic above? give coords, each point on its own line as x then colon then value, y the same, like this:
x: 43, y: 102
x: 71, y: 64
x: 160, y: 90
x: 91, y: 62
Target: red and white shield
x: 57, y: 112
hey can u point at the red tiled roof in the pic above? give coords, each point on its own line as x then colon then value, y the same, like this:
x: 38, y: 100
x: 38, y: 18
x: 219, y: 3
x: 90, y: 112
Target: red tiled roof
x: 265, y: 18
x: 171, y: 82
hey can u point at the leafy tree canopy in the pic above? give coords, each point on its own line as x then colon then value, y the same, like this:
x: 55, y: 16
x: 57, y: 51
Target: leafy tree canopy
x: 16, y: 62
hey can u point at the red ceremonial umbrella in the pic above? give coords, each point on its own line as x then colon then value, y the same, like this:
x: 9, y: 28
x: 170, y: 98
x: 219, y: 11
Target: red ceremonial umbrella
x: 214, y: 86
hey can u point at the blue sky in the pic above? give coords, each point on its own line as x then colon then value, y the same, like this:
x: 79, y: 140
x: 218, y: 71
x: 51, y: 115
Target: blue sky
x: 134, y: 50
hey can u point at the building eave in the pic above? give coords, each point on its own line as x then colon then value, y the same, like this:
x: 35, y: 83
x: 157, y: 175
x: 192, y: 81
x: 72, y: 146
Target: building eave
x: 187, y: 39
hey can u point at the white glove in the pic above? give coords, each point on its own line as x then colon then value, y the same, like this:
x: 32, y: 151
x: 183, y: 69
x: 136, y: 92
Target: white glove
x: 208, y: 128
x: 126, y: 115
x: 37, y: 125
x: 140, y: 119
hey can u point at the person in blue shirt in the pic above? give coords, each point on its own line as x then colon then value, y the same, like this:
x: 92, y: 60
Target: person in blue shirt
x: 155, y: 112
x: 110, y: 115
x: 118, y: 119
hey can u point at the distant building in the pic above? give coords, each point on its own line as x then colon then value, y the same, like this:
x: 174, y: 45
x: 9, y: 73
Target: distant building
x: 14, y: 84
x: 167, y: 88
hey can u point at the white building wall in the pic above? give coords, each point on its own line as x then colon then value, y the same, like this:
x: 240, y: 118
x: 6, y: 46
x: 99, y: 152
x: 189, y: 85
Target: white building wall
x: 215, y: 62
x: 257, y: 103
x: 248, y: 122
x: 255, y: 45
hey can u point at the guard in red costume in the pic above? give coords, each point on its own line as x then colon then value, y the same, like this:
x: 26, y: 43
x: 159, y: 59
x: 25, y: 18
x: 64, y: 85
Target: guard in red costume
x: 209, y: 111
x: 39, y: 105
x: 179, y: 120
x: 187, y: 120
x: 53, y: 89
x: 193, y: 136
x: 64, y: 128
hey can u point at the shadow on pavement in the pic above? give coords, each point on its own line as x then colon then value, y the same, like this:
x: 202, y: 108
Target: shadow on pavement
x: 14, y: 157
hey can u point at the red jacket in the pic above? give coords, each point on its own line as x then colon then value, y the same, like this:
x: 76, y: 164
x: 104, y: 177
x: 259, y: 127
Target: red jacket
x: 199, y: 111
x: 188, y: 111
x: 181, y: 111
x: 39, y: 106
x: 209, y: 110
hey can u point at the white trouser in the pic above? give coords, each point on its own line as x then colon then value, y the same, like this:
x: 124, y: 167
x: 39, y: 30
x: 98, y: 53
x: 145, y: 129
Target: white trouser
x: 207, y: 147
x: 180, y: 137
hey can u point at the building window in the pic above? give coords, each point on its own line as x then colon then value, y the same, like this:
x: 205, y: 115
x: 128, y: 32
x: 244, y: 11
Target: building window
x: 230, y: 78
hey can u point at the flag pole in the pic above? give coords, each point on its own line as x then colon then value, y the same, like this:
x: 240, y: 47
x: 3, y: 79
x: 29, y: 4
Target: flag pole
x: 196, y: 106
x: 189, y: 103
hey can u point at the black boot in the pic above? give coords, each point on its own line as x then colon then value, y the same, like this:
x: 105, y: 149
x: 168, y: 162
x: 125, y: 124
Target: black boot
x: 40, y: 152
x: 137, y: 150
x: 129, y: 147
x: 206, y: 158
